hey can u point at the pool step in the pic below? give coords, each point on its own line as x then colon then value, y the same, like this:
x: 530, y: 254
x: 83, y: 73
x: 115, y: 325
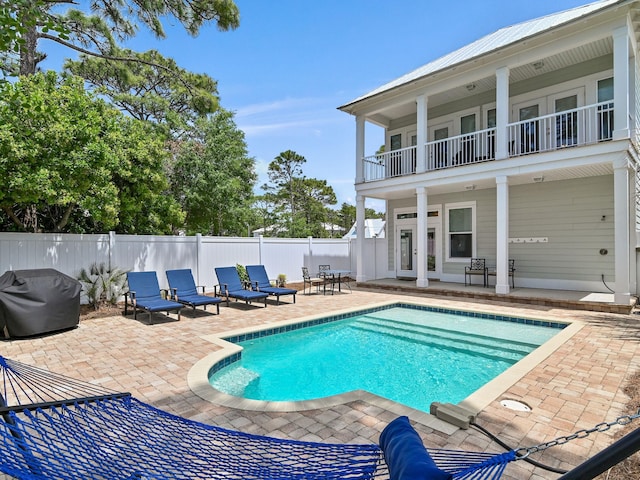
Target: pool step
x: 236, y: 380
x: 447, y: 331
x: 438, y: 338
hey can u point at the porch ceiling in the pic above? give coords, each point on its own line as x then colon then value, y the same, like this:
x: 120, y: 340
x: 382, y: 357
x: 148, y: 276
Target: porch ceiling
x: 450, y: 181
x: 521, y: 79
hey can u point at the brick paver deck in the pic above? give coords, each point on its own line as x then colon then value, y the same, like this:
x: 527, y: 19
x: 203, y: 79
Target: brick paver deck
x: 576, y: 387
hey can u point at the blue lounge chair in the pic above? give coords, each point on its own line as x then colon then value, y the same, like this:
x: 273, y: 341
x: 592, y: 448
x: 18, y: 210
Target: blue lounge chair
x: 231, y: 286
x: 260, y: 283
x: 183, y: 289
x: 144, y: 292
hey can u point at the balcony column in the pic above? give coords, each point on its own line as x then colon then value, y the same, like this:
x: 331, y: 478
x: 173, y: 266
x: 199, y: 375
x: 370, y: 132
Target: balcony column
x: 359, y: 149
x: 622, y: 230
x: 421, y: 134
x: 621, y: 83
x: 502, y: 112
x: 421, y: 241
x: 502, y: 234
x: 360, y: 233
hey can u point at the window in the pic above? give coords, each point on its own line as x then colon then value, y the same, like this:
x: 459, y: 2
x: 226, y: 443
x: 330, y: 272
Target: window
x: 605, y: 112
x: 460, y: 230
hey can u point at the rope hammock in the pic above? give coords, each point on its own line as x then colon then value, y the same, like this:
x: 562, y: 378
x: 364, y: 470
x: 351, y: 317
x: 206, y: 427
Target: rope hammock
x: 59, y: 428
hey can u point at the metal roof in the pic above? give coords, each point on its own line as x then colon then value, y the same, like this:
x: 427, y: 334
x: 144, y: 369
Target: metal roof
x: 489, y: 43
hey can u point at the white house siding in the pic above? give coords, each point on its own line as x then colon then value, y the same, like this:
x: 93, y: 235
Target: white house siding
x: 568, y: 213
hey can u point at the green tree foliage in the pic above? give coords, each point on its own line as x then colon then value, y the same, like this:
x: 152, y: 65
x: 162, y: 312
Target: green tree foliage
x: 97, y: 30
x: 300, y: 203
x: 154, y: 89
x: 69, y: 160
x: 347, y: 215
x: 213, y: 177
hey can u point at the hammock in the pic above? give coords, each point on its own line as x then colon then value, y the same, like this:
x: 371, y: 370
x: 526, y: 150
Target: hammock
x: 59, y: 428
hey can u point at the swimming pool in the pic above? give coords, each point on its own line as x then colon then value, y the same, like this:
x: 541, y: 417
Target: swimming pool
x: 410, y: 354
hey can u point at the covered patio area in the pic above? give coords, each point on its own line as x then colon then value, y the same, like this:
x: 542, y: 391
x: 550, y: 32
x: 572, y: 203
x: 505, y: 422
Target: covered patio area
x: 575, y: 300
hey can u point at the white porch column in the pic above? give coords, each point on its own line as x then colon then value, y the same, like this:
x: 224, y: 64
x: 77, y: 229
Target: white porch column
x: 359, y: 149
x: 502, y: 112
x: 621, y: 225
x: 502, y: 234
x: 621, y: 83
x: 421, y: 134
x: 360, y: 274
x: 421, y: 241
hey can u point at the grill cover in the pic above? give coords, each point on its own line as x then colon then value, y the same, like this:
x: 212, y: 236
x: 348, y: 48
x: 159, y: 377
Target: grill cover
x: 38, y: 301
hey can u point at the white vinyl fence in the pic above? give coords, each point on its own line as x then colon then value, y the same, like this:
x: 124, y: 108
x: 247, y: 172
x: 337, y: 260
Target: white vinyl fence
x: 69, y: 253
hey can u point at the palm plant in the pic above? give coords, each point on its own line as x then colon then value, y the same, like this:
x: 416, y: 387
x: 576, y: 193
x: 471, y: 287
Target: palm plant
x: 103, y: 285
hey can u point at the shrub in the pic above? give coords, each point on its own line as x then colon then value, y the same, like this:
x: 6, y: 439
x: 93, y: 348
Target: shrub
x: 102, y: 285
x: 242, y: 273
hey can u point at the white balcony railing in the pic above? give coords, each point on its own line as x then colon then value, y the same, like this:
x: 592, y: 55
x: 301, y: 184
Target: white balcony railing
x: 461, y: 150
x: 580, y: 126
x: 390, y: 164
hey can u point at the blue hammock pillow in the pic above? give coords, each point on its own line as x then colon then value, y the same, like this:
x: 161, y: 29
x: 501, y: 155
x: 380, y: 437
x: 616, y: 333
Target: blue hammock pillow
x: 405, y: 454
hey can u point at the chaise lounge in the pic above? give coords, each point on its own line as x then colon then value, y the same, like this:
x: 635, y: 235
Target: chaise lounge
x: 145, y: 293
x: 231, y: 286
x: 184, y: 290
x: 260, y: 283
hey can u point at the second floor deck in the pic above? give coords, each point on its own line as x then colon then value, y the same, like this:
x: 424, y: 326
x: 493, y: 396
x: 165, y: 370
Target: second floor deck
x: 570, y: 128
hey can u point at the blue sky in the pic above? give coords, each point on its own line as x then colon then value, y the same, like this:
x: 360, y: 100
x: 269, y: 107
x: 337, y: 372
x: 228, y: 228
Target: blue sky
x: 291, y: 63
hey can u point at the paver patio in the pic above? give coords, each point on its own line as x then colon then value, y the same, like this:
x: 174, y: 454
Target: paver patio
x: 576, y: 387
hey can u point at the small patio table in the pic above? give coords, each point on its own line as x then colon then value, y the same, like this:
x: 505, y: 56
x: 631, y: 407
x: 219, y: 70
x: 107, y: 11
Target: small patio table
x: 339, y: 275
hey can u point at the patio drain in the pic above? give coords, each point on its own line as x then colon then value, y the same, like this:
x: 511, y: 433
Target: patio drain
x: 515, y: 405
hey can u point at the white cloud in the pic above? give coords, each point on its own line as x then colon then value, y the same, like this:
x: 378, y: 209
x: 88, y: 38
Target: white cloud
x: 309, y: 114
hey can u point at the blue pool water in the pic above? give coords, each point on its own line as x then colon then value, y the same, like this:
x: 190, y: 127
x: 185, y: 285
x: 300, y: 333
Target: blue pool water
x: 408, y: 355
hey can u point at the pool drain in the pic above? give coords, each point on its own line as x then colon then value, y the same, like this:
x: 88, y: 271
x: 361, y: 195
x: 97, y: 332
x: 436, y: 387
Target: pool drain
x: 515, y: 405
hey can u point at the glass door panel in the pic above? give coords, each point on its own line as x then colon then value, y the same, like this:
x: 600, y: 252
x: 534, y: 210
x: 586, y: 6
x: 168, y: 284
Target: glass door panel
x: 406, y: 252
x: 566, y: 123
x: 529, y: 131
x: 605, y: 112
x: 406, y: 249
x: 431, y: 249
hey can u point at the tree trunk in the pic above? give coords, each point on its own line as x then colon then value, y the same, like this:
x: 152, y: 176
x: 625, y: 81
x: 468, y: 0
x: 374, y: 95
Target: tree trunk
x: 28, y: 55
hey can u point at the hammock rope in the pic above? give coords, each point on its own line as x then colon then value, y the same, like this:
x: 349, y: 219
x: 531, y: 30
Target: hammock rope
x: 57, y: 428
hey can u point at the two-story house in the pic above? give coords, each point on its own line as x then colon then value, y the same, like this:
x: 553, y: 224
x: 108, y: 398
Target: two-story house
x: 521, y: 145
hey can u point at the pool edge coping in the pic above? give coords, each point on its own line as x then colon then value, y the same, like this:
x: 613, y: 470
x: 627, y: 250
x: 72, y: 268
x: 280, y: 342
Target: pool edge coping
x: 198, y: 375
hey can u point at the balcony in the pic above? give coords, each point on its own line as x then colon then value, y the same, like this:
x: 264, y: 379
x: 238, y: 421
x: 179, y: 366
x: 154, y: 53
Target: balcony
x: 570, y: 128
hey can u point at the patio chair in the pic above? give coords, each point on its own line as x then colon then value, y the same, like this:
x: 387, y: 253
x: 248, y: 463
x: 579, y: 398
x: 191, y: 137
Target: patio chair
x: 327, y: 278
x: 477, y: 266
x: 512, y: 272
x: 260, y: 283
x: 184, y: 290
x: 145, y: 293
x: 308, y: 279
x: 231, y: 286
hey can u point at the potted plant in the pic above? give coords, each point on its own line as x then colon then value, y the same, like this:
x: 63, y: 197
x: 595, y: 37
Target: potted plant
x: 282, y: 279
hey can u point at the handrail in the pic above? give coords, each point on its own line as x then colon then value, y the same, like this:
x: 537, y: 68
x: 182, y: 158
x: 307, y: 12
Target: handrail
x: 579, y: 126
